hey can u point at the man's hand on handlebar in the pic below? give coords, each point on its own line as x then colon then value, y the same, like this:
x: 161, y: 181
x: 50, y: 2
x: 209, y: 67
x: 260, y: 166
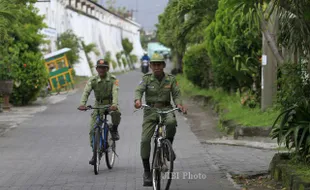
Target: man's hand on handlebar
x: 82, y: 108
x: 182, y: 108
x: 113, y: 108
x: 138, y: 104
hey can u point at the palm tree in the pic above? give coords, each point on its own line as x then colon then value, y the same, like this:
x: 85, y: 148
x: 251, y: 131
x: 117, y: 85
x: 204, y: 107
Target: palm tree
x: 88, y: 49
x: 293, y: 18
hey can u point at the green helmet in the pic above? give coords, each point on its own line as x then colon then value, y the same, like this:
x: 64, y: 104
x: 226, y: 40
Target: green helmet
x: 157, y: 58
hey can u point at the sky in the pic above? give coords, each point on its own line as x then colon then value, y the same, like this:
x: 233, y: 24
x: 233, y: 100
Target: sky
x: 148, y: 10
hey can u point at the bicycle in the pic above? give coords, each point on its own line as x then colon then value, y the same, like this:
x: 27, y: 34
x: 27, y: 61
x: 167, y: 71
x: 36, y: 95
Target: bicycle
x: 163, y: 152
x: 103, y: 144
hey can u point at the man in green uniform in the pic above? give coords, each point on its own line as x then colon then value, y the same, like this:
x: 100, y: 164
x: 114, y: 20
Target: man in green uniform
x: 158, y: 88
x: 105, y: 86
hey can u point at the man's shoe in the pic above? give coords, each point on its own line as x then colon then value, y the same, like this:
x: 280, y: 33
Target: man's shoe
x: 147, y: 179
x: 92, y: 161
x: 115, y: 135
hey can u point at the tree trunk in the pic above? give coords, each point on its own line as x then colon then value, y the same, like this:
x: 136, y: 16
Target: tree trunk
x: 179, y: 62
x: 271, y: 42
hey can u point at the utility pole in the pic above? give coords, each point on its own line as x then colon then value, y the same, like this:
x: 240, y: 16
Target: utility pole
x: 269, y: 67
x: 136, y: 11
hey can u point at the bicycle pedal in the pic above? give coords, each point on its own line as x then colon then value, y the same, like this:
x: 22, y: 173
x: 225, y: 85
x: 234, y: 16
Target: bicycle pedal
x: 164, y: 169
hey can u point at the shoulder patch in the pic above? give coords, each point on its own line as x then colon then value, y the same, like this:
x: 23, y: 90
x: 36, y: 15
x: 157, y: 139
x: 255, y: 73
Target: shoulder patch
x: 116, y: 83
x: 171, y: 76
x: 113, y: 76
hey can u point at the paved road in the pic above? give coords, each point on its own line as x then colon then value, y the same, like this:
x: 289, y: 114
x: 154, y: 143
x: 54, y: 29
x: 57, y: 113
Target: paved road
x: 51, y: 151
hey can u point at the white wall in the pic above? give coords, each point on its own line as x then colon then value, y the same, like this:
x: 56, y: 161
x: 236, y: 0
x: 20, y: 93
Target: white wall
x: 105, y: 30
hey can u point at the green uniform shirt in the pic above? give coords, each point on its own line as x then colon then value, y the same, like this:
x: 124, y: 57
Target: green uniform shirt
x: 105, y: 90
x: 156, y: 91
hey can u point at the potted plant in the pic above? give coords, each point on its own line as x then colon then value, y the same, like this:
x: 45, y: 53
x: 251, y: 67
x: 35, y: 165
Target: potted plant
x: 6, y: 79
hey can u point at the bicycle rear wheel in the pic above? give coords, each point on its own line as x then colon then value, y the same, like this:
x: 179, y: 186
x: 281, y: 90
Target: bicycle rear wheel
x: 97, y: 151
x: 110, y: 149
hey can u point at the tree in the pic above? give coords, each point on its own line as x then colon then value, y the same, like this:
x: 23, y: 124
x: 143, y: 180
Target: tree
x: 294, y: 22
x: 182, y: 24
x: 234, y: 47
x: 7, y: 16
x: 196, y: 65
x: 128, y: 47
x: 88, y: 49
x: 21, y: 51
x: 69, y: 40
x: 122, y: 11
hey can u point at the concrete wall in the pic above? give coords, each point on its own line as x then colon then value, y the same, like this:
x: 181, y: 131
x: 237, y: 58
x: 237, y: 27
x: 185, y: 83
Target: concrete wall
x: 94, y: 24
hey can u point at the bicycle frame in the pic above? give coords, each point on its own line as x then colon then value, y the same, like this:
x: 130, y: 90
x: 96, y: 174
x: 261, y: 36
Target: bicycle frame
x: 160, y: 130
x: 104, y: 127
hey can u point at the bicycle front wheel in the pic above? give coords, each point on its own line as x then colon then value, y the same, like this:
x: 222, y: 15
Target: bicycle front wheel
x: 167, y: 164
x: 97, y: 151
x: 110, y: 149
x: 156, y: 169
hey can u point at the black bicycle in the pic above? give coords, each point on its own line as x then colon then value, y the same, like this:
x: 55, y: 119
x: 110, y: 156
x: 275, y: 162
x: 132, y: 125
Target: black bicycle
x: 103, y: 144
x: 163, y: 155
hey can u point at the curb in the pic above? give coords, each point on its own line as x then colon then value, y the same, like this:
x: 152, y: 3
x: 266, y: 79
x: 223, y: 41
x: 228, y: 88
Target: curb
x: 249, y: 144
x: 230, y: 126
x: 281, y: 171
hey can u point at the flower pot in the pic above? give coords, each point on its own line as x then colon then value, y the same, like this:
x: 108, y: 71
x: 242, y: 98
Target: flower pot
x: 6, y: 87
x: 6, y: 102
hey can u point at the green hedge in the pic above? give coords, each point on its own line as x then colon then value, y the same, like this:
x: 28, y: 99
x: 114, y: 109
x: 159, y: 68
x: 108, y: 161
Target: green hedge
x: 196, y: 65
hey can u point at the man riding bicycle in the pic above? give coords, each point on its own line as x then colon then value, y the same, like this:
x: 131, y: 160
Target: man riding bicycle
x: 158, y: 88
x: 105, y: 86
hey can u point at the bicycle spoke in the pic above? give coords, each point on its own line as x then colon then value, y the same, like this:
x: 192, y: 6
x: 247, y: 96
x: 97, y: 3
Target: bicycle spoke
x: 110, y: 151
x: 97, y: 151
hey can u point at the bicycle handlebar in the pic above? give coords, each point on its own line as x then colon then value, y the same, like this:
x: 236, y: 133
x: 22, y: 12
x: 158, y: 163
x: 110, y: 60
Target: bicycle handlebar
x: 158, y: 110
x: 89, y: 107
x: 98, y: 108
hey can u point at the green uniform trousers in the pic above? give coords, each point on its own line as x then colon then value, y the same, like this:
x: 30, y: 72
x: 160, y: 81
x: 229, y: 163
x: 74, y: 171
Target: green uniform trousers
x: 115, y: 116
x: 150, y: 119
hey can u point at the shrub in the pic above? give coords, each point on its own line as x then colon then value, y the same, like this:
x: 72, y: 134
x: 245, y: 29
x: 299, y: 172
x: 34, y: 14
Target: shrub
x: 118, y: 57
x: 69, y: 40
x: 32, y: 75
x: 127, y: 46
x: 133, y: 59
x: 114, y: 64
x: 294, y: 84
x: 20, y: 54
x: 196, y: 65
x: 291, y: 128
x: 124, y: 61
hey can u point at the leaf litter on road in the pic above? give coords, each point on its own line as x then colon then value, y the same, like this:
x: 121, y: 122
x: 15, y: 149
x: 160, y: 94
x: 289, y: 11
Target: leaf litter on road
x: 260, y: 182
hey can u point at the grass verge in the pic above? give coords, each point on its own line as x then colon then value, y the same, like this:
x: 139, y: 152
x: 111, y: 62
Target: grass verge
x: 245, y: 116
x: 79, y: 79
